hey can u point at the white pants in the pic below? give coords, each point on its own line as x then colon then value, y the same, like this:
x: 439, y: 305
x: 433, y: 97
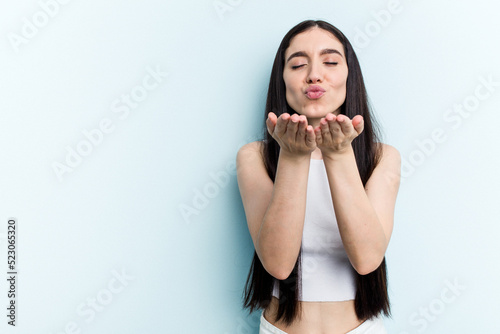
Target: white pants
x: 372, y: 326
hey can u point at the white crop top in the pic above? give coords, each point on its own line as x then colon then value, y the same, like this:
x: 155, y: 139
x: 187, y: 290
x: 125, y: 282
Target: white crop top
x: 327, y: 274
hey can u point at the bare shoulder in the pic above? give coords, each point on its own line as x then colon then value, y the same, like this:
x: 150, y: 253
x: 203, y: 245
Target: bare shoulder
x: 255, y: 146
x: 250, y: 153
x: 390, y: 152
x: 390, y: 161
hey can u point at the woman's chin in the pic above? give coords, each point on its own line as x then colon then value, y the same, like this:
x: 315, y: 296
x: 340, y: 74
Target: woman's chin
x: 314, y: 113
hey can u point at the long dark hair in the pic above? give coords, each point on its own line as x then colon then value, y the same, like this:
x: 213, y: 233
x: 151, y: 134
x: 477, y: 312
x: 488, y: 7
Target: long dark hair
x: 371, y: 289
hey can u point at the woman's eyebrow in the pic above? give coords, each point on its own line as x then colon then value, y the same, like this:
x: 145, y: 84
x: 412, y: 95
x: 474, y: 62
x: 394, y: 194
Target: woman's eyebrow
x: 304, y: 54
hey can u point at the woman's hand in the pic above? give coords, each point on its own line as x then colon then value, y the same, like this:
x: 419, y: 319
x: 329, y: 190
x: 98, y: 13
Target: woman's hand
x: 335, y: 133
x: 292, y: 133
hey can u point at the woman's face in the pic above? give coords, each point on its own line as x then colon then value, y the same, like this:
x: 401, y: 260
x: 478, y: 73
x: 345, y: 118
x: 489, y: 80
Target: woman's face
x: 315, y: 60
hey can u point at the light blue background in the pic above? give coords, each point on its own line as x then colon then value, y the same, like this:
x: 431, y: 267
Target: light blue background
x: 119, y: 210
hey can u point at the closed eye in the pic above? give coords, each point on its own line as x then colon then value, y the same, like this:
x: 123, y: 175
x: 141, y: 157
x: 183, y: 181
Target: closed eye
x: 296, y: 67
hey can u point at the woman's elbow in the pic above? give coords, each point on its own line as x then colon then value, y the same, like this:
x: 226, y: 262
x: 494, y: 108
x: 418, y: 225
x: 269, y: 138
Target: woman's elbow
x: 367, y: 267
x: 280, y: 274
x: 278, y: 271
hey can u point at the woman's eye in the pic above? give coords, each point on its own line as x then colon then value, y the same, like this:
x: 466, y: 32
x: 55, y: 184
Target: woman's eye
x: 298, y: 66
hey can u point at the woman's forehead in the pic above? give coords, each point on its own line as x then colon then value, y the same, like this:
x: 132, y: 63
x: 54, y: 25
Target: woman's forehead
x: 314, y: 40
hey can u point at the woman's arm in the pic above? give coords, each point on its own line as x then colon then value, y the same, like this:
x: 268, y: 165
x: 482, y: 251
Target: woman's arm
x: 364, y: 214
x: 275, y: 212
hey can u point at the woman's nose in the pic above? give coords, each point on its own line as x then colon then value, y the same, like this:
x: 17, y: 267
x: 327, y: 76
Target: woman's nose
x: 314, y: 74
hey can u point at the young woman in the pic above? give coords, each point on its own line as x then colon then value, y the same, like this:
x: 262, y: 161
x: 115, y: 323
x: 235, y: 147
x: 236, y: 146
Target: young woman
x: 319, y: 193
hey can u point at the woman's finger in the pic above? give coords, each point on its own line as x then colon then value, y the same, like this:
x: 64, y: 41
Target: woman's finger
x: 325, y: 129
x: 281, y: 124
x: 359, y: 123
x: 333, y: 124
x: 301, y: 132
x: 319, y: 137
x: 310, y: 137
x: 271, y: 123
x: 345, y: 124
x: 292, y: 127
x: 272, y: 117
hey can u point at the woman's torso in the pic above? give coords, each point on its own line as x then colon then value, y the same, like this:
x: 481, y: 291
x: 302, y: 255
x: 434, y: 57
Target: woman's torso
x: 317, y: 317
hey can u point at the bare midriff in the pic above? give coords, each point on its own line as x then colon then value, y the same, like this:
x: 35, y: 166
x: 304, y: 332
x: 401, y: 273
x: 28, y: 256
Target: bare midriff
x: 317, y: 317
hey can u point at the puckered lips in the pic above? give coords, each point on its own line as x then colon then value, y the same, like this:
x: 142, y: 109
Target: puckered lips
x: 314, y: 92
